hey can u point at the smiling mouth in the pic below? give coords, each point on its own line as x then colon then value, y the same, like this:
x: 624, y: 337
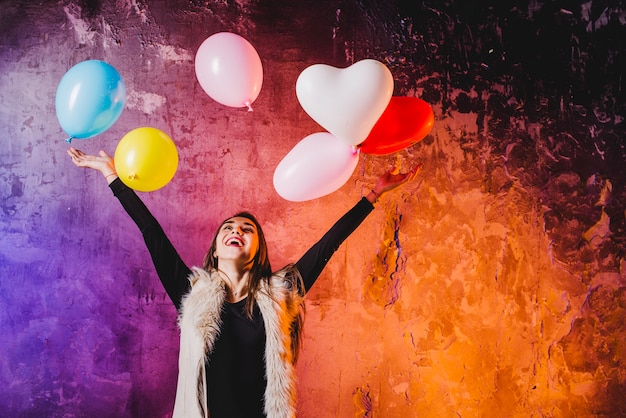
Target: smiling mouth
x: 234, y: 242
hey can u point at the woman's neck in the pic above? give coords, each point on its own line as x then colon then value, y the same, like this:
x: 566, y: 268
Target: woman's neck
x: 236, y: 280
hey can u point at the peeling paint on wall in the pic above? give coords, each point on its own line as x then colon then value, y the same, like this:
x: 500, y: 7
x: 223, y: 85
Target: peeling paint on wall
x: 85, y: 34
x: 146, y: 102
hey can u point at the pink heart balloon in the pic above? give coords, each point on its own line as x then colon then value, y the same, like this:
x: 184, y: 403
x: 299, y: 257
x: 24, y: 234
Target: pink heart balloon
x: 346, y: 102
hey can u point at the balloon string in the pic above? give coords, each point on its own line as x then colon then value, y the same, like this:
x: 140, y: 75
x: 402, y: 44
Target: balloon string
x: 247, y: 103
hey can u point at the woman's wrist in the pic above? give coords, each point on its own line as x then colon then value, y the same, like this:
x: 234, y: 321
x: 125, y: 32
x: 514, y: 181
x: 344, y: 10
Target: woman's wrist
x: 373, y: 196
x: 110, y: 177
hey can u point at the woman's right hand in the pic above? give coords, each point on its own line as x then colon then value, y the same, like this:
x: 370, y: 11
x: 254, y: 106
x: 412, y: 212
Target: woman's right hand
x: 101, y: 162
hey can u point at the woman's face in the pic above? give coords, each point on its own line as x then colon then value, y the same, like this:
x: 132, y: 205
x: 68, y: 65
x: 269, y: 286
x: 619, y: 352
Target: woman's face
x: 237, y: 240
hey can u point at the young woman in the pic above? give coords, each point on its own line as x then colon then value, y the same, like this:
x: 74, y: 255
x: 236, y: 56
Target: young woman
x: 239, y: 320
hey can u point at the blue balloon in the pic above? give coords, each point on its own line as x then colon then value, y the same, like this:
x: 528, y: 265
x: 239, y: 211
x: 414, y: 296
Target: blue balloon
x: 89, y: 99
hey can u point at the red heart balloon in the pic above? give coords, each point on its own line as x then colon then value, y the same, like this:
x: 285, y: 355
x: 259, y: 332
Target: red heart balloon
x: 405, y: 121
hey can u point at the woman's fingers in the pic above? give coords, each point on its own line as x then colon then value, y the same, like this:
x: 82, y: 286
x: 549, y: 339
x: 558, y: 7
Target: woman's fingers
x: 415, y: 171
x: 81, y: 159
x: 74, y: 155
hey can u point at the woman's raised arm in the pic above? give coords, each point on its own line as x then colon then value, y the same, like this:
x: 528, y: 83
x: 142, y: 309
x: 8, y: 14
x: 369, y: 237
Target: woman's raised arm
x: 311, y: 264
x: 171, y: 269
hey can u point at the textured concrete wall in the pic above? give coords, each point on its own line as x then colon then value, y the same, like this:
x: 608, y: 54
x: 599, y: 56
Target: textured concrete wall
x: 493, y: 285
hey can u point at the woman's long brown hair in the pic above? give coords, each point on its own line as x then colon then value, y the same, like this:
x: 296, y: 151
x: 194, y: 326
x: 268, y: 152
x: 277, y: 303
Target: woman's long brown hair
x: 262, y: 270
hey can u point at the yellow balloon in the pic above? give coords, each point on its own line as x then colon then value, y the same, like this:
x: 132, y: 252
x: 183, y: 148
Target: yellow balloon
x: 146, y: 159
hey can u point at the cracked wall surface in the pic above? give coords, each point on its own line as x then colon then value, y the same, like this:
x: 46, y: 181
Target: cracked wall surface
x: 493, y: 285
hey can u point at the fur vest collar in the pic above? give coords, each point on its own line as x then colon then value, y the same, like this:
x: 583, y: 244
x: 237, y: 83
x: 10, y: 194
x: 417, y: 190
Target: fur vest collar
x: 199, y: 321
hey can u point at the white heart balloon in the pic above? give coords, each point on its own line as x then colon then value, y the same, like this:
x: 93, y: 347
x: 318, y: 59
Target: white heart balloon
x: 347, y: 102
x: 318, y: 165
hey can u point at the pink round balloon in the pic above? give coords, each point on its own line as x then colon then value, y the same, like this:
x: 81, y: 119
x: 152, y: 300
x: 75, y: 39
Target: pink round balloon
x: 318, y: 165
x: 229, y: 69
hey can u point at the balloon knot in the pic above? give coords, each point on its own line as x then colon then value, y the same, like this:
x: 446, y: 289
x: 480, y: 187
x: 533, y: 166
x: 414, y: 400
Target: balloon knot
x: 249, y: 105
x: 69, y: 140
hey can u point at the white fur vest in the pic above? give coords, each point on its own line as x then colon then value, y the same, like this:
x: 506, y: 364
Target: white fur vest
x: 280, y: 305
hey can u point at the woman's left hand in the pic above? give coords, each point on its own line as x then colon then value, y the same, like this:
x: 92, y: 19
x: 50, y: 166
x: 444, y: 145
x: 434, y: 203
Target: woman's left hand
x: 392, y: 179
